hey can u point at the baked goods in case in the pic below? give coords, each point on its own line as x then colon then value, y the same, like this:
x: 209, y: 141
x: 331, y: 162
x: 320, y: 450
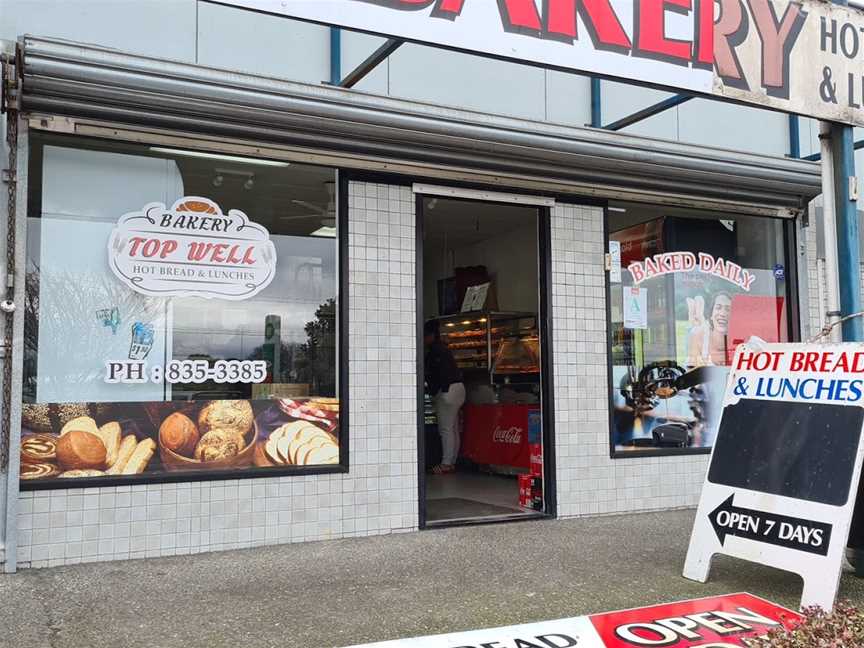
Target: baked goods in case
x: 110, y: 435
x: 179, y: 434
x: 127, y: 447
x: 39, y: 448
x: 80, y: 449
x: 226, y: 415
x: 219, y: 444
x: 38, y: 470
x: 84, y: 472
x: 83, y: 423
x: 141, y: 456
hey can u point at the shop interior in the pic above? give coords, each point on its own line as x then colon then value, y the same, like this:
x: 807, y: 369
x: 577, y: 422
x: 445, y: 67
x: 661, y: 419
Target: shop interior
x: 481, y: 291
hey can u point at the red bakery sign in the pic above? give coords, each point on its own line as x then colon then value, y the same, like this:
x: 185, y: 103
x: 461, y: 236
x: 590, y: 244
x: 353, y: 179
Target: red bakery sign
x: 799, y: 56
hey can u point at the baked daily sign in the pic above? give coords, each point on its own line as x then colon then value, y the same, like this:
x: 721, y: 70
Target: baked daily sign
x: 784, y: 471
x: 715, y: 622
x: 798, y: 56
x: 191, y: 249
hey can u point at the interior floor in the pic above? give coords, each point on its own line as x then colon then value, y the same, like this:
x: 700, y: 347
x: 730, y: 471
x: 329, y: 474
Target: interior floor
x: 471, y: 495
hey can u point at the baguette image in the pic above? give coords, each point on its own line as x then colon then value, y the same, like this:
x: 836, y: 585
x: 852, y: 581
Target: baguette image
x: 144, y: 451
x: 127, y: 447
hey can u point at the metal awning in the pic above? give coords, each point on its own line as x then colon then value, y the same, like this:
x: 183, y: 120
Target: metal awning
x: 92, y: 83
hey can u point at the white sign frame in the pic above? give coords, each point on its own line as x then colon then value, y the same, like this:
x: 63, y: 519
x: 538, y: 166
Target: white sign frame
x: 821, y: 574
x: 678, y: 49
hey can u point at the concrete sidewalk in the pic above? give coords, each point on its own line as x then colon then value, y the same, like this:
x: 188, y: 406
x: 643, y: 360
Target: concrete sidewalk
x: 344, y: 592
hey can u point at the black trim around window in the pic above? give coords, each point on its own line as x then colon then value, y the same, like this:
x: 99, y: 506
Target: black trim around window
x: 343, y: 391
x: 793, y: 316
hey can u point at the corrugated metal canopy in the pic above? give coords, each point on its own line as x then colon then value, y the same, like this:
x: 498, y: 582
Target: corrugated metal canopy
x: 82, y: 81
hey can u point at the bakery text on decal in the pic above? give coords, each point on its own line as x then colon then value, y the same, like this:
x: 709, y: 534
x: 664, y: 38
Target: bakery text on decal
x: 715, y: 43
x: 192, y: 249
x: 672, y: 262
x: 694, y: 627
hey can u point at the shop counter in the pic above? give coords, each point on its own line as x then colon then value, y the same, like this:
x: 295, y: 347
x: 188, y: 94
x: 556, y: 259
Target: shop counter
x: 500, y: 435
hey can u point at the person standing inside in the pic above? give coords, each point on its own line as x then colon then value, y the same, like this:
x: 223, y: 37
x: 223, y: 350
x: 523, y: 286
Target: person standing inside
x: 444, y: 384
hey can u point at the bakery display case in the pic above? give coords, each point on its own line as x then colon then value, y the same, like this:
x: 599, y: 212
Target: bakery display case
x: 493, y: 343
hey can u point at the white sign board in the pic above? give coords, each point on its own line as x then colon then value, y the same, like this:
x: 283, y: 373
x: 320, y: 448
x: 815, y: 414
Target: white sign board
x: 614, y: 262
x: 191, y: 249
x: 635, y: 307
x: 802, y: 57
x: 784, y: 470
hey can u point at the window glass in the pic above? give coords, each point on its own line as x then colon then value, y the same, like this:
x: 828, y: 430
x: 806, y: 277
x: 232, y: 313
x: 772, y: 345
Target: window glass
x: 181, y: 313
x: 686, y: 288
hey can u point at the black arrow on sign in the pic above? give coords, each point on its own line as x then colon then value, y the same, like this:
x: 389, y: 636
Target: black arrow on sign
x: 761, y: 526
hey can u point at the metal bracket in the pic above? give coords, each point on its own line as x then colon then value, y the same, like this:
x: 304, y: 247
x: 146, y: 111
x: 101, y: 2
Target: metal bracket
x: 53, y: 124
x: 853, y: 188
x: 9, y: 176
x: 607, y: 262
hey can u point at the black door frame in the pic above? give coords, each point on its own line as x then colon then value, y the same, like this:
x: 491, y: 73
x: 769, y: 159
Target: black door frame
x: 547, y: 391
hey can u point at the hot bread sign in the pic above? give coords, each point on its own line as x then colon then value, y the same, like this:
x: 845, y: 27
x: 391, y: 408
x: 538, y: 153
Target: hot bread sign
x: 800, y: 56
x: 191, y: 249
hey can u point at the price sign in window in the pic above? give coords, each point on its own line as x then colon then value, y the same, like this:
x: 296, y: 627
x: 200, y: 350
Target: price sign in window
x: 181, y: 314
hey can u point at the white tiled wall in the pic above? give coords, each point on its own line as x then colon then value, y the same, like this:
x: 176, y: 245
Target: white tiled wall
x: 589, y: 482
x: 378, y: 496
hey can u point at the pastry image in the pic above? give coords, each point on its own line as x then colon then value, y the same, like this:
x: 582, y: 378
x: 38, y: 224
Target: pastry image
x: 84, y: 423
x: 78, y: 449
x: 110, y: 435
x: 219, y: 444
x: 226, y: 415
x: 324, y: 404
x: 141, y: 456
x: 39, y: 448
x: 38, y: 470
x: 179, y: 434
x: 124, y: 452
x: 85, y: 472
x: 298, y: 444
x: 49, y: 417
x: 320, y: 411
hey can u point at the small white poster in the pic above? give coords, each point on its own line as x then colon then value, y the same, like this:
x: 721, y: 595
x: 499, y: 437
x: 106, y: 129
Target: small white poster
x: 635, y: 308
x: 475, y: 298
x: 191, y: 249
x: 614, y: 261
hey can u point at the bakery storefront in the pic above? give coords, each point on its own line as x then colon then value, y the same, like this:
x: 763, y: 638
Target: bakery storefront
x: 222, y: 285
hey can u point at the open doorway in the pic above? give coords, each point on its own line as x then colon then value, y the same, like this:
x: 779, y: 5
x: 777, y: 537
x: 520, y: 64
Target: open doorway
x: 482, y: 440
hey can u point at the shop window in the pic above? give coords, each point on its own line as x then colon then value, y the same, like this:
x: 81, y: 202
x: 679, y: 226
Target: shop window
x: 685, y: 289
x: 181, y: 316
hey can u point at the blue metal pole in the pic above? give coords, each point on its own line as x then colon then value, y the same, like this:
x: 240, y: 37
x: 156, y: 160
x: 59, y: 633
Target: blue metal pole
x: 596, y: 103
x: 335, y: 55
x: 794, y: 137
x: 848, y: 254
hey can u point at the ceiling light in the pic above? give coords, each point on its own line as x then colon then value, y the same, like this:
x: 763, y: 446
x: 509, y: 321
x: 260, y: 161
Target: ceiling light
x: 219, y: 156
x: 329, y: 232
x: 616, y: 209
x: 450, y: 324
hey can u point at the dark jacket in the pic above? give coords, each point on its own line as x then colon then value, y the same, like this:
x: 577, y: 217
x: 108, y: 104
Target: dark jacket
x: 441, y: 369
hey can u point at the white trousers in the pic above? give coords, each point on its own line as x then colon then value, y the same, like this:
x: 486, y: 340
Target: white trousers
x: 447, y: 406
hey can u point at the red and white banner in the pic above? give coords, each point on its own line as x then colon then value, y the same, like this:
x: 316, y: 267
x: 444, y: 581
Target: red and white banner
x: 798, y: 56
x: 192, y: 249
x: 715, y: 622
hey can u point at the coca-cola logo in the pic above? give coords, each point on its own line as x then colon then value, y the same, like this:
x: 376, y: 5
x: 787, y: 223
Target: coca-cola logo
x: 508, y: 435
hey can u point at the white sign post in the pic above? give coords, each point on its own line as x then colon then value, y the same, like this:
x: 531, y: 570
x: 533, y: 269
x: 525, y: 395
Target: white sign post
x: 784, y: 471
x: 800, y: 56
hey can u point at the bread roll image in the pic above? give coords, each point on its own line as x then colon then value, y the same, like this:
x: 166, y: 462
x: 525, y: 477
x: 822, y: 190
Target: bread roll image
x: 179, y: 434
x: 219, y: 444
x: 38, y: 471
x: 39, y: 448
x: 235, y: 415
x: 142, y: 455
x: 127, y: 447
x: 84, y: 423
x: 79, y: 450
x: 328, y: 454
x: 110, y: 435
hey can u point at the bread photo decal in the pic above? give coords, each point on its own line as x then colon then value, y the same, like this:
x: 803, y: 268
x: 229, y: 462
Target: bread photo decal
x: 84, y: 449
x: 223, y: 436
x: 300, y: 443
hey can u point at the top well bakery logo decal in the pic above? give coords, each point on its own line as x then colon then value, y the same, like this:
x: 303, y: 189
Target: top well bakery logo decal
x: 192, y: 249
x: 800, y: 56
